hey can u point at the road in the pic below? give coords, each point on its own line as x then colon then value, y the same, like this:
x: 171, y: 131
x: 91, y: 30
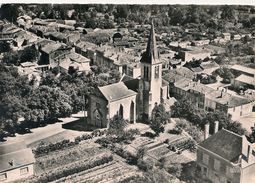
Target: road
x: 40, y: 133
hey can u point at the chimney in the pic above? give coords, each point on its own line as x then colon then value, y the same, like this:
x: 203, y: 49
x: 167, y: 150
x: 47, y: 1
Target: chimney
x: 206, y: 132
x: 216, y: 126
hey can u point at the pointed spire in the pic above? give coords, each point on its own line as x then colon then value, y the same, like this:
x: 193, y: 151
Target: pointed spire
x: 151, y: 55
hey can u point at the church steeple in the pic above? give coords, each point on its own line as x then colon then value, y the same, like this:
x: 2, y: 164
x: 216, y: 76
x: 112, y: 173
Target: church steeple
x: 151, y: 54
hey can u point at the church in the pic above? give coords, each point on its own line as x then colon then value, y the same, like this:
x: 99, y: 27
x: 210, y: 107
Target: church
x: 131, y: 99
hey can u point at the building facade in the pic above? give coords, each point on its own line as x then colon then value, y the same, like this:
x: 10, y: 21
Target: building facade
x: 16, y: 161
x: 226, y: 157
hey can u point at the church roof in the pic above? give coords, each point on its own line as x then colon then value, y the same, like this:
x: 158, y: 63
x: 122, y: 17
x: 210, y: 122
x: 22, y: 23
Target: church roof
x: 116, y: 91
x: 151, y: 55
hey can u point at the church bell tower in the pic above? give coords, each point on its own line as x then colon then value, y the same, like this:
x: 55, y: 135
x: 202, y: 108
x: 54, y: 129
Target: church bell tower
x: 151, y: 78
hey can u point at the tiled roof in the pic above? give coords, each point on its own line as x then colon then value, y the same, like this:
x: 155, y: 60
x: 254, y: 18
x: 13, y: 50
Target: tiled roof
x: 225, y: 98
x: 224, y: 143
x: 196, y: 69
x: 246, y: 79
x: 208, y: 65
x: 116, y: 91
x: 15, y: 152
x: 49, y: 48
x: 183, y: 71
x: 243, y: 69
x: 173, y: 77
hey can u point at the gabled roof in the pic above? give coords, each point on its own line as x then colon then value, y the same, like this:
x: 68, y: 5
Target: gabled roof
x: 246, y: 79
x: 15, y: 154
x: 151, y: 55
x: 225, y: 144
x: 116, y: 91
x: 51, y: 47
x: 243, y: 69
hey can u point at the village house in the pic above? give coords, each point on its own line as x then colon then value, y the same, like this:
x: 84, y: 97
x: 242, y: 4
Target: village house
x: 194, y: 53
x: 226, y: 157
x: 226, y: 36
x: 134, y: 98
x: 208, y: 98
x: 86, y: 49
x: 27, y: 68
x: 116, y: 58
x: 236, y: 37
x: 23, y: 38
x: 74, y: 61
x: 200, y: 42
x: 220, y: 40
x: 236, y: 106
x: 52, y: 52
x: 239, y: 69
x: 209, y: 67
x: 243, y: 81
x: 9, y: 31
x: 175, y: 46
x: 16, y: 161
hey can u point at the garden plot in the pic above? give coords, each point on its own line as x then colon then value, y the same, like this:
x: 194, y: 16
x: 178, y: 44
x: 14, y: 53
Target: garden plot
x: 159, y: 151
x: 57, y: 158
x: 107, y: 173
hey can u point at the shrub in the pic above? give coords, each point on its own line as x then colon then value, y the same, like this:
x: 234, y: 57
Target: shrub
x: 148, y: 134
x: 176, y: 130
x: 143, y: 165
x: 175, y: 169
x: 46, y: 148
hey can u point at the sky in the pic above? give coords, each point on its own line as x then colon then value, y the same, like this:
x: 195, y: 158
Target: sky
x: 207, y: 2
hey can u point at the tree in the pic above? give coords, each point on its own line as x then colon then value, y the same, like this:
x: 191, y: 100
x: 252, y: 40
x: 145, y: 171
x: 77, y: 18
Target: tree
x: 158, y: 119
x: 252, y: 135
x: 4, y: 47
x: 122, y: 11
x: 10, y: 58
x: 228, y: 13
x: 184, y: 108
x: 9, y: 12
x: 116, y: 126
x: 225, y: 73
x: 29, y: 54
